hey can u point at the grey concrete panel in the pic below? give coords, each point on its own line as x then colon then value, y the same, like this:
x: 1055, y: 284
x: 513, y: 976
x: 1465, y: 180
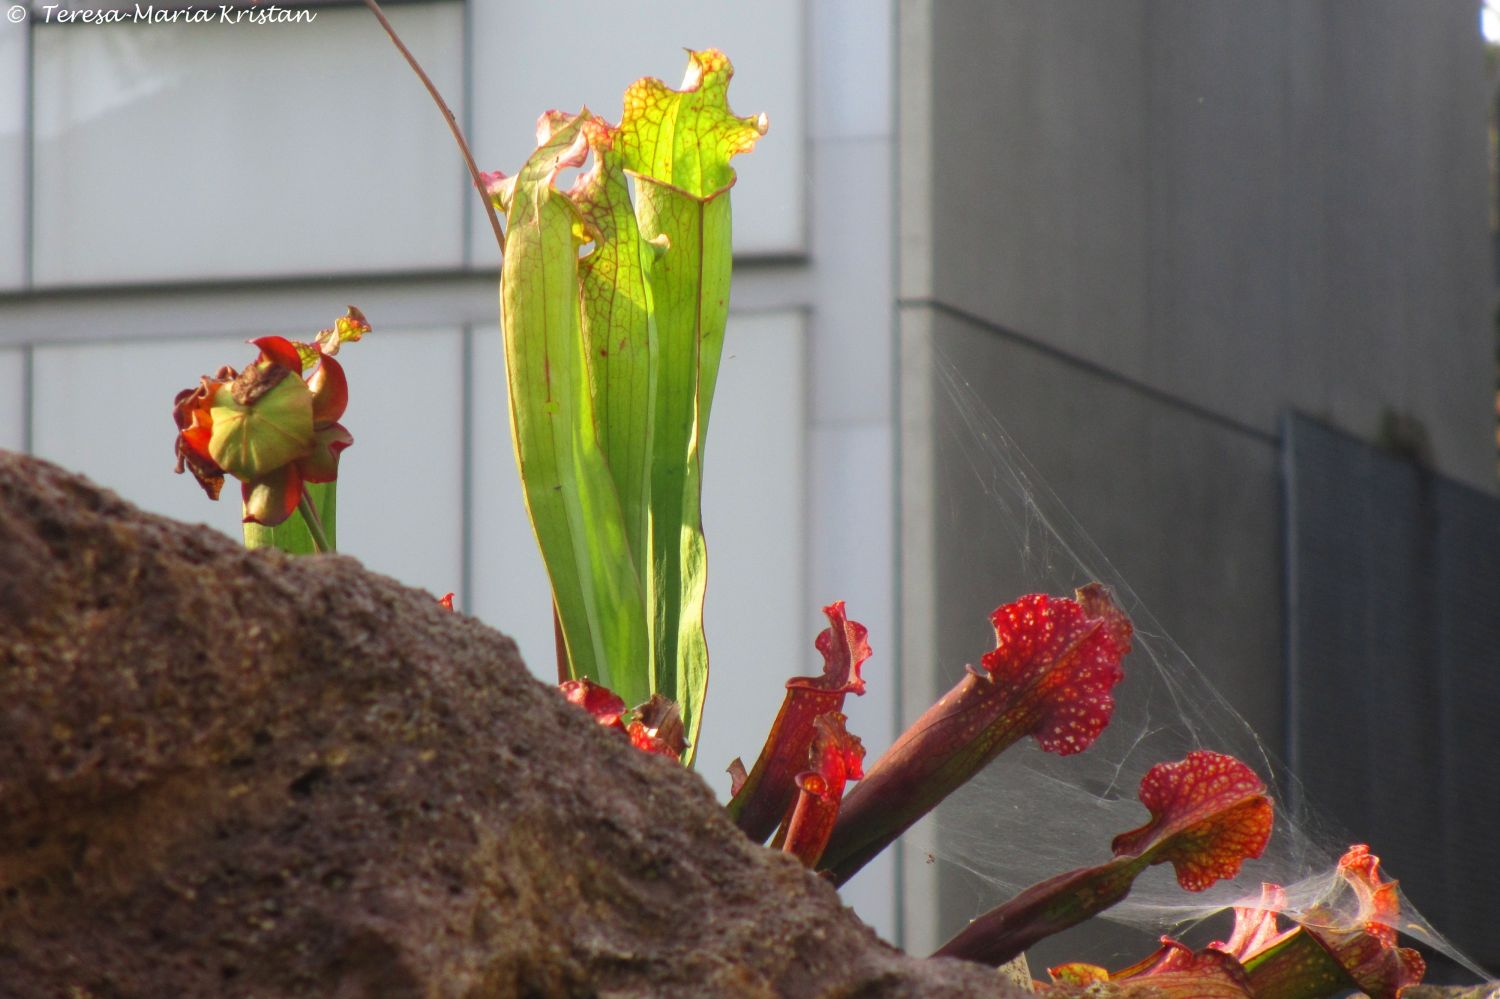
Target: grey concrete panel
x: 1388, y: 291
x: 1249, y: 205
x: 1039, y: 169
x: 1219, y: 332
x: 14, y: 89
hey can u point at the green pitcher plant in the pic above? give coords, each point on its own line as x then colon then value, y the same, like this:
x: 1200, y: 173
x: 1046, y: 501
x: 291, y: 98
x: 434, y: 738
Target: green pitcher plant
x: 611, y: 359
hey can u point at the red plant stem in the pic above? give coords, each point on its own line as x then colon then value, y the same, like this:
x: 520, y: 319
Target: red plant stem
x: 1044, y: 909
x: 458, y: 135
x: 953, y: 740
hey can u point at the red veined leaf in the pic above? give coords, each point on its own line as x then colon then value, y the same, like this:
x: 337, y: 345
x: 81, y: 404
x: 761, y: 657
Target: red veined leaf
x: 1209, y: 812
x: 1050, y: 675
x: 770, y: 788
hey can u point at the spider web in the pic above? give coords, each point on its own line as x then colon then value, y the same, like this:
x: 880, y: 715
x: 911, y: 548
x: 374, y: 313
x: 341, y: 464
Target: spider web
x: 1032, y: 815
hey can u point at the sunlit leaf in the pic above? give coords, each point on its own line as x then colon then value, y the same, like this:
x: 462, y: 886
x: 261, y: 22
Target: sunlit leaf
x: 677, y: 144
x: 570, y: 494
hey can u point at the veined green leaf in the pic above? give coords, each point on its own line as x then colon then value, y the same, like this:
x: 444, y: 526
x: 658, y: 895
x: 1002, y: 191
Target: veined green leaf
x: 253, y: 438
x: 677, y: 143
x: 619, y: 333
x: 569, y: 492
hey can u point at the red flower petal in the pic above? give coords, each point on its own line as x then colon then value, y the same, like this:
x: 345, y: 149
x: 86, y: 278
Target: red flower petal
x: 1254, y: 925
x: 1208, y: 813
x: 192, y: 411
x: 322, y: 463
x: 280, y: 351
x: 1367, y: 948
x: 657, y: 727
x: 447, y: 601
x: 844, y: 648
x: 270, y: 499
x: 597, y: 699
x: 330, y: 391
x: 762, y: 800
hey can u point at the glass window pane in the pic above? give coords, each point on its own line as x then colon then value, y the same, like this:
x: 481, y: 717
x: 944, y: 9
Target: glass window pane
x: 12, y: 153
x: 118, y: 430
x: 760, y: 622
x: 168, y: 152
x: 401, y: 484
x: 12, y: 399
x: 594, y: 49
x: 510, y: 588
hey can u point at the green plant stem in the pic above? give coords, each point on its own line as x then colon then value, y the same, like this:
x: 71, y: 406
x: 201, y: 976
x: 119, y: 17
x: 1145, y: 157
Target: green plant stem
x: 314, y: 524
x: 564, y: 671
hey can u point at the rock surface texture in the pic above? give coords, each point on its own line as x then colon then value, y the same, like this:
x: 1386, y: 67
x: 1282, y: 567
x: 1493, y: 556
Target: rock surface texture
x: 241, y: 774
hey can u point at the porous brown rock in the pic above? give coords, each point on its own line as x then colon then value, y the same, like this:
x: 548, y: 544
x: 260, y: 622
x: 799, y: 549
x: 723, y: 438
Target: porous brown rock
x: 226, y: 773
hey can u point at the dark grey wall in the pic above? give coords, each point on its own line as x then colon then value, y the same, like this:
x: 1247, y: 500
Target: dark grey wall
x: 1145, y: 231
x: 1394, y: 647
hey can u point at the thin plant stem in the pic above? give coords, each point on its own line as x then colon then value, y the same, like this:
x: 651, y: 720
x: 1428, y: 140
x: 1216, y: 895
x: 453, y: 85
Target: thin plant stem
x: 314, y: 523
x: 458, y: 134
x: 564, y: 673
